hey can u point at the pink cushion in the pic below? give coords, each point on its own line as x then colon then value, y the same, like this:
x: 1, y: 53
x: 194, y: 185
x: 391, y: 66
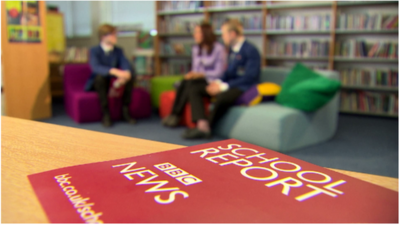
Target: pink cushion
x: 140, y: 106
x: 86, y: 106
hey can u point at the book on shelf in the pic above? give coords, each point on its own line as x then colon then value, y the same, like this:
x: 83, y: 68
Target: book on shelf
x: 144, y: 65
x: 76, y: 55
x: 300, y: 22
x: 181, y: 5
x: 390, y: 22
x: 144, y: 61
x: 181, y: 48
x: 227, y: 181
x: 178, y: 67
x: 306, y: 48
x: 369, y: 77
x: 370, y: 102
x: 363, y: 48
x: 366, y: 21
x: 234, y: 3
x: 177, y: 25
x: 249, y: 22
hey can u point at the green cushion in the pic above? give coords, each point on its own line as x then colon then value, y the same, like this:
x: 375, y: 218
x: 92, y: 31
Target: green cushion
x: 306, y: 90
x: 161, y: 84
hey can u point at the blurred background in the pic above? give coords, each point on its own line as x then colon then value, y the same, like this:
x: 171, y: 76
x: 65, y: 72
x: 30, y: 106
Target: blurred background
x: 45, y: 47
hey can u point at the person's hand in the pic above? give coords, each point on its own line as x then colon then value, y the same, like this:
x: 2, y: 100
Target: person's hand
x: 114, y: 71
x: 123, y: 74
x: 197, y: 75
x: 120, y: 73
x: 188, y: 76
x: 121, y: 81
x: 126, y: 75
x: 113, y: 93
x: 213, y: 89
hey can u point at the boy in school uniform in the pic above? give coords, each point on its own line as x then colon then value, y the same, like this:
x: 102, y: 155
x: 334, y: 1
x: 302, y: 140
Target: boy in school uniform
x: 106, y: 61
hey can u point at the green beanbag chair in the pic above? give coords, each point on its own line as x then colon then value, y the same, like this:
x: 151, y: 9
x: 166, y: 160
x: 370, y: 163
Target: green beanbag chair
x: 160, y: 84
x: 306, y: 90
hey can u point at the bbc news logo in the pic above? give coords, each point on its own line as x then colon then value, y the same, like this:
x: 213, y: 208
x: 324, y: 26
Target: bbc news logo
x: 177, y: 173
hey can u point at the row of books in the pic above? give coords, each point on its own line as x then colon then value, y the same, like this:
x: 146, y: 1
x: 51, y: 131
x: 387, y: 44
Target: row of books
x: 249, y: 22
x: 77, y: 55
x: 301, y: 22
x: 367, y: 21
x: 176, y: 48
x: 175, y: 67
x: 177, y: 25
x: 180, y: 5
x: 371, y: 102
x: 144, y: 65
x: 306, y: 48
x: 234, y: 3
x: 361, y: 48
x: 369, y: 77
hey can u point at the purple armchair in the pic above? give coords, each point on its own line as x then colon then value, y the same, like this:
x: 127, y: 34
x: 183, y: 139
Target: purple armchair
x: 84, y: 106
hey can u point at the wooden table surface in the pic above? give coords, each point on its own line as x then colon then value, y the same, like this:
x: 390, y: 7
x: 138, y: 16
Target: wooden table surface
x: 29, y: 147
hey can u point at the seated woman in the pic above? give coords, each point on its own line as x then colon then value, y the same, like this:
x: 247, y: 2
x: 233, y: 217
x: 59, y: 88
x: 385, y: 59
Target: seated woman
x: 209, y: 60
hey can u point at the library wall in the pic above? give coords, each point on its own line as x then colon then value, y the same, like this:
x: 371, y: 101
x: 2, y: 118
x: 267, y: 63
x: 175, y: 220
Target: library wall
x: 368, y: 87
x: 127, y: 43
x: 92, y: 39
x: 176, y: 52
x: 252, y: 22
x: 307, y: 34
x: 359, y: 39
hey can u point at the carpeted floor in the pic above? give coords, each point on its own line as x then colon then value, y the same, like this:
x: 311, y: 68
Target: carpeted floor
x: 362, y: 144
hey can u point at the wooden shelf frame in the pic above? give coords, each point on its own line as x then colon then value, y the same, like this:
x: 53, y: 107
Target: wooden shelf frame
x: 371, y: 88
x: 300, y: 5
x: 368, y: 113
x: 366, y: 31
x: 300, y: 58
x: 296, y: 32
x: 180, y: 12
x: 363, y: 3
x: 364, y: 59
x: 236, y: 8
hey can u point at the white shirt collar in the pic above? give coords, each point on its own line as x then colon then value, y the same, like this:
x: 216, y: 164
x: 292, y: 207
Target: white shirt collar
x: 106, y: 48
x: 236, y: 48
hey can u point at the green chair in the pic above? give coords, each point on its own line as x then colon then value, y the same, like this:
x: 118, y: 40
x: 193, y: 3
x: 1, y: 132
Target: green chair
x: 161, y: 84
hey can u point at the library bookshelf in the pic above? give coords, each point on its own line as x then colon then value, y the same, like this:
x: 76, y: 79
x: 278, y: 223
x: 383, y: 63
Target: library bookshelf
x: 265, y: 10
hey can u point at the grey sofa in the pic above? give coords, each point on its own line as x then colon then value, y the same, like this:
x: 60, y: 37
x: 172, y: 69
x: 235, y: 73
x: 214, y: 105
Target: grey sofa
x: 280, y: 128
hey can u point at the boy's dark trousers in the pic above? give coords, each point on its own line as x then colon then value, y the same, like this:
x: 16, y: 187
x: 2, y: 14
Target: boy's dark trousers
x: 102, y: 86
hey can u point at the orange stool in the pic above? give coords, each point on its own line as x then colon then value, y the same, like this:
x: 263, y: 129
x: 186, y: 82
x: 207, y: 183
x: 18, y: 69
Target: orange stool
x: 167, y: 99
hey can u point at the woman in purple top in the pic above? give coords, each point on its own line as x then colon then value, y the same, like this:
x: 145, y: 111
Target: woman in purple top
x: 209, y: 60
